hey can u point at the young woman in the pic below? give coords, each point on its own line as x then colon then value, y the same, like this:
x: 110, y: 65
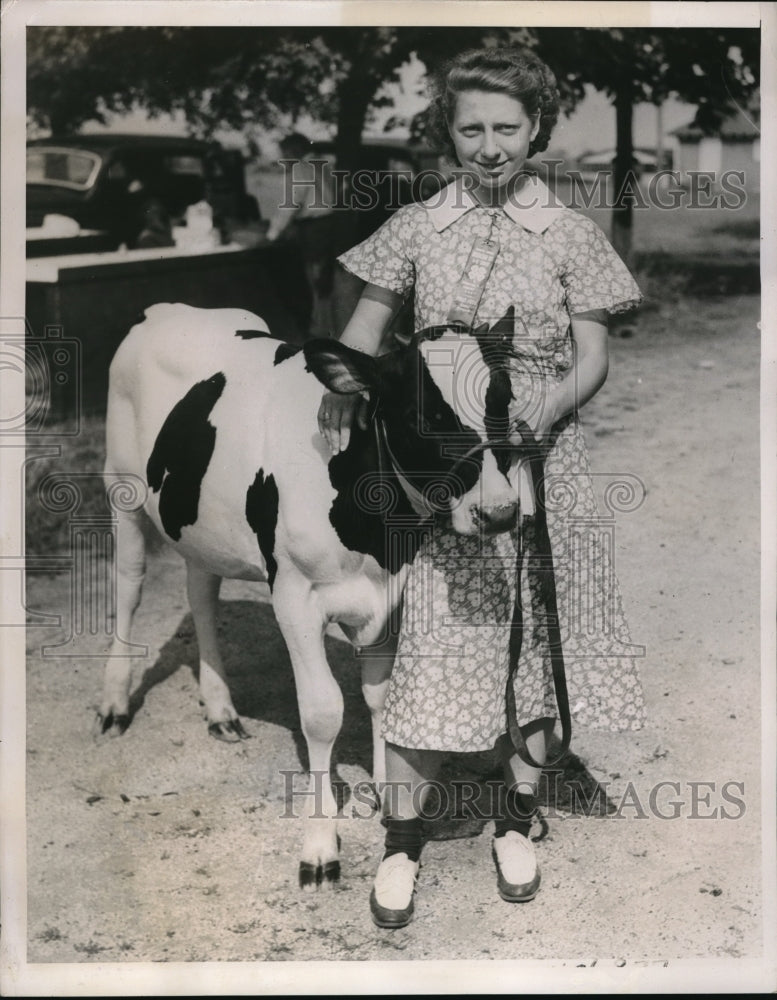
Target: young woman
x: 494, y: 108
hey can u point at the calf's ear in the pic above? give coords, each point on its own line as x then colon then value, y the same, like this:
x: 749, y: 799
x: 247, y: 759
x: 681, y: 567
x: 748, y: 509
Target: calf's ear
x: 340, y: 368
x: 504, y: 328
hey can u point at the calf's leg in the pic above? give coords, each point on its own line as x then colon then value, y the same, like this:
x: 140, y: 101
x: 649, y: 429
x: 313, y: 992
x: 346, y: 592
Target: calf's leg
x: 376, y: 663
x: 320, y: 704
x: 113, y: 714
x: 202, y: 589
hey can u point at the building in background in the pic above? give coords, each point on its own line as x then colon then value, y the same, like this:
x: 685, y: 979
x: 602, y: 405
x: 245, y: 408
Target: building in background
x: 735, y: 146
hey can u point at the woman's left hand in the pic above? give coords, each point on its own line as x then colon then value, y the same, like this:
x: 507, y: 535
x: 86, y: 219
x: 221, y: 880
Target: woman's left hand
x: 535, y: 420
x: 579, y: 384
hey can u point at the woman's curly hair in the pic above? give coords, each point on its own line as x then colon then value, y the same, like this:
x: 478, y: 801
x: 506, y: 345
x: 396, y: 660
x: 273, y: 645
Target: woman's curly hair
x: 512, y: 71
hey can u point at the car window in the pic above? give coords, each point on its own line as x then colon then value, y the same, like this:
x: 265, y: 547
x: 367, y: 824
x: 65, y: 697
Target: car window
x: 69, y: 168
x: 117, y: 171
x: 188, y: 166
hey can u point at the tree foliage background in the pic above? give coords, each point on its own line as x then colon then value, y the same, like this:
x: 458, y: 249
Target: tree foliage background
x: 235, y: 76
x: 239, y: 77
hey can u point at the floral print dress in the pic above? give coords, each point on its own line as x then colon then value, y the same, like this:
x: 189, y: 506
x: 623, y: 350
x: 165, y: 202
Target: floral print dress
x: 448, y: 685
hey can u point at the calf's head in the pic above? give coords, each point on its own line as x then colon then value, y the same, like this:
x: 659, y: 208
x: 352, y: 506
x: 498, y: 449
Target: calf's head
x: 443, y: 401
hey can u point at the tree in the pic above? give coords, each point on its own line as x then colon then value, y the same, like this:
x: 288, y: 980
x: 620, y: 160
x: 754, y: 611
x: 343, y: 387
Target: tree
x: 708, y: 67
x: 214, y: 76
x: 238, y: 76
x: 227, y: 76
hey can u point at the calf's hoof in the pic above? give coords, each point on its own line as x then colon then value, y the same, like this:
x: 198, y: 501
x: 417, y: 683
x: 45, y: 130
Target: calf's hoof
x: 312, y: 877
x: 110, y: 724
x: 372, y: 796
x: 230, y: 731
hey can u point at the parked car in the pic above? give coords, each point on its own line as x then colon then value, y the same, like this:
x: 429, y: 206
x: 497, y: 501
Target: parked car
x: 116, y: 183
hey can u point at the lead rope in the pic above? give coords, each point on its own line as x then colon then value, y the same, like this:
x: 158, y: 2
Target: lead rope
x: 547, y: 586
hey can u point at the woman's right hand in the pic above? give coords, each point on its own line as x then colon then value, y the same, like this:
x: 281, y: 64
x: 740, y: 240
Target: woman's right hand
x: 364, y: 332
x: 336, y: 417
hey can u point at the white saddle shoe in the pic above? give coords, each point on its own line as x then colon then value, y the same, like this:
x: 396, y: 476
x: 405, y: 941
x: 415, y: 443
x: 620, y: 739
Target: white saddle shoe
x: 518, y: 875
x: 391, y: 899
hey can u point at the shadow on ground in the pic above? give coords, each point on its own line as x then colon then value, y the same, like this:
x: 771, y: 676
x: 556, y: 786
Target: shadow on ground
x: 262, y: 686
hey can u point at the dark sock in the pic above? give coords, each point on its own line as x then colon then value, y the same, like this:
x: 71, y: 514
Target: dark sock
x: 515, y: 812
x: 403, y: 836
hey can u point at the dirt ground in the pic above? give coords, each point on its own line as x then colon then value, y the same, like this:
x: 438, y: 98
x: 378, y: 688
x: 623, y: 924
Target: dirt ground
x: 166, y: 845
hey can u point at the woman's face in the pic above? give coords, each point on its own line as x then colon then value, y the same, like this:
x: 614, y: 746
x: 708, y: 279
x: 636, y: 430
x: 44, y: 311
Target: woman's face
x: 491, y: 134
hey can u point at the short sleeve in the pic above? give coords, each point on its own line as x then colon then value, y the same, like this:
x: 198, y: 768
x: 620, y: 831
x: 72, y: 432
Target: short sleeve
x: 386, y: 258
x: 593, y: 274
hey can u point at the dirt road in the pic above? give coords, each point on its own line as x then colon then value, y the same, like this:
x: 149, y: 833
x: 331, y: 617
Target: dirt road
x: 166, y: 845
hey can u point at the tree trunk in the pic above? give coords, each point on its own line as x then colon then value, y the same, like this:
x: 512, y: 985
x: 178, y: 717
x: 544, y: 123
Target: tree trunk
x: 354, y: 99
x: 624, y: 176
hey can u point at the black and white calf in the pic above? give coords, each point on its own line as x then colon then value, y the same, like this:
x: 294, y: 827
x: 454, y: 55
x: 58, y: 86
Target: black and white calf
x: 219, y: 419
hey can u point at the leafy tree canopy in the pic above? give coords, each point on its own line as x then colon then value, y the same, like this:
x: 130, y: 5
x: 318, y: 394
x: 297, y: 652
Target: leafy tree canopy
x: 234, y: 76
x: 222, y: 76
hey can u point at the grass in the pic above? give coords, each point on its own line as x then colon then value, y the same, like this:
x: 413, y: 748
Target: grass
x: 717, y: 233
x: 700, y: 251
x: 47, y: 531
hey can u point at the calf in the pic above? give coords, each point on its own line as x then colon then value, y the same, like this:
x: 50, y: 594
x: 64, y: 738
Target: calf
x: 219, y: 419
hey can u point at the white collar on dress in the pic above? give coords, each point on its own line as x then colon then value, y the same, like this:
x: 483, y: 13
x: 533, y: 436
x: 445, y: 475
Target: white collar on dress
x: 532, y: 206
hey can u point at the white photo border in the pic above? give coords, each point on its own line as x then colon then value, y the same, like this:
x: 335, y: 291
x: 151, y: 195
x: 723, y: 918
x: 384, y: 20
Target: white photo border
x: 18, y: 978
